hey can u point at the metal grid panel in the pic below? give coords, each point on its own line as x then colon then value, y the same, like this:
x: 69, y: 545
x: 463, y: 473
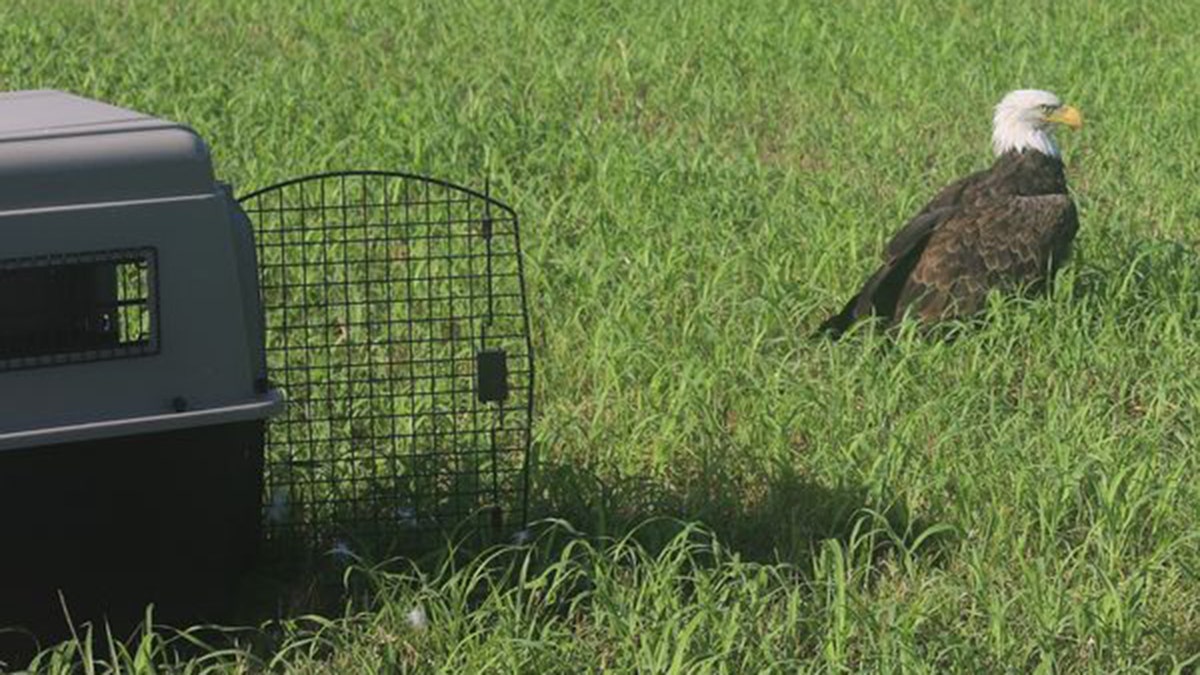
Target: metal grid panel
x: 394, y: 305
x: 77, y: 307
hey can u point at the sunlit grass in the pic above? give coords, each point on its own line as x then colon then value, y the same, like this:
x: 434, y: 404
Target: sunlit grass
x: 699, y: 184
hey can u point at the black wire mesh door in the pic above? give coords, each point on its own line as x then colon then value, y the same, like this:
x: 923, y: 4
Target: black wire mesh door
x: 398, y: 331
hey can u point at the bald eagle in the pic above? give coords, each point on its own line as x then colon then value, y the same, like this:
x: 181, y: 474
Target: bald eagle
x: 1007, y: 227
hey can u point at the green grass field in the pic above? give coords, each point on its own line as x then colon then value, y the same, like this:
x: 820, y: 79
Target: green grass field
x: 699, y: 184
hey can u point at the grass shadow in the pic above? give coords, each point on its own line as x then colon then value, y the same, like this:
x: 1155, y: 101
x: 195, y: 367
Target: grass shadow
x: 782, y: 518
x: 1147, y: 271
x: 785, y: 518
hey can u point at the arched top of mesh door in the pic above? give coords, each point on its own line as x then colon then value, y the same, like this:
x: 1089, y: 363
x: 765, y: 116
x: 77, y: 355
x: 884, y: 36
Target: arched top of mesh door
x: 383, y: 174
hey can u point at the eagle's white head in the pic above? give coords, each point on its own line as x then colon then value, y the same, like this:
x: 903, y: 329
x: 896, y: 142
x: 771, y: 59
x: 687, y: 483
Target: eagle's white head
x: 1025, y: 119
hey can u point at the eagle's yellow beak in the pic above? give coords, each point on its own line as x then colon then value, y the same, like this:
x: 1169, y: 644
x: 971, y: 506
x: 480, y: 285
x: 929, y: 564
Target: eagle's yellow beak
x: 1066, y: 115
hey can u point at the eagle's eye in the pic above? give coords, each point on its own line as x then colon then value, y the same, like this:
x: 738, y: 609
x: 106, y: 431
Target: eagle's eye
x: 1048, y: 107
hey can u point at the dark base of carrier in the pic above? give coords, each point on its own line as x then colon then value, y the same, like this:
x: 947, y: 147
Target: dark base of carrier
x: 114, y: 525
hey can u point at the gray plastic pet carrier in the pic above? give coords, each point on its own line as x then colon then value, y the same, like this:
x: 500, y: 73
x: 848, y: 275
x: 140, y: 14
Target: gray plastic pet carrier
x: 147, y: 334
x: 133, y: 388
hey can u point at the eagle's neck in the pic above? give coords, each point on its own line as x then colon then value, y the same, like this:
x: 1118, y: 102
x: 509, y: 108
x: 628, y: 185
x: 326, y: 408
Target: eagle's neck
x: 1011, y: 132
x: 1029, y: 172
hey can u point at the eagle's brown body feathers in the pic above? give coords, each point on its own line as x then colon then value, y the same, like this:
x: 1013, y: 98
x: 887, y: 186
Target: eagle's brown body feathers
x: 1008, y: 227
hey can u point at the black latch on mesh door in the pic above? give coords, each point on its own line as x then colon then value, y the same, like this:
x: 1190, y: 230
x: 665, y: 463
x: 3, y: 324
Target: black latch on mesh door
x: 491, y: 372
